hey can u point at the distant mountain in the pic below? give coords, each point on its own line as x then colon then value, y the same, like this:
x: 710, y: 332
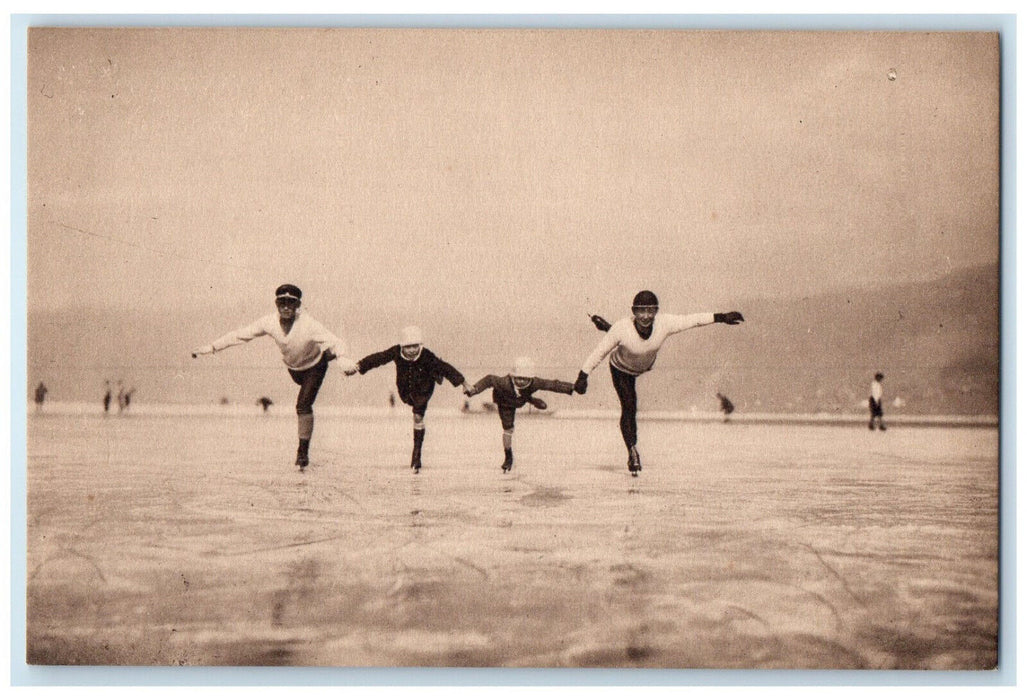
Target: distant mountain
x: 936, y: 342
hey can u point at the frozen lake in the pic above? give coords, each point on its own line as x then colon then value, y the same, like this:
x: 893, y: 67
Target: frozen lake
x: 192, y: 540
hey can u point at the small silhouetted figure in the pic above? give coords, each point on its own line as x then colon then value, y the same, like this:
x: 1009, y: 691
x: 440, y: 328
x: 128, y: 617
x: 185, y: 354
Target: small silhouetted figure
x: 121, y: 396
x: 726, y: 407
x: 106, y: 396
x: 392, y: 400
x: 876, y: 412
x: 127, y: 398
x: 41, y: 391
x: 264, y: 402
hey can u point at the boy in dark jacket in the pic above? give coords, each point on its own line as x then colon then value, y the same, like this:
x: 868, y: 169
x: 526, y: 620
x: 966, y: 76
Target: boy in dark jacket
x: 513, y: 391
x: 418, y: 370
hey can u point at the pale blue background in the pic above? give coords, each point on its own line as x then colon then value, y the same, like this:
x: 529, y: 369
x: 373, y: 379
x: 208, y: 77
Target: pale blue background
x: 24, y: 675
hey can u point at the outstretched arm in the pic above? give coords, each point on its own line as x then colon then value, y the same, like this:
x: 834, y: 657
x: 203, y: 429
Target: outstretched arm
x: 553, y: 385
x: 731, y: 318
x: 236, y: 337
x: 481, y: 385
x: 377, y: 359
x: 605, y: 346
x: 451, y: 373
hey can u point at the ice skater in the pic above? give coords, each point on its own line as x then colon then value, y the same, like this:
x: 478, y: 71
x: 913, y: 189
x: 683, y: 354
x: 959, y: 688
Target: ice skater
x: 40, y: 396
x: 514, y: 391
x: 726, y: 407
x: 876, y: 412
x: 635, y: 342
x: 418, y: 370
x: 106, y: 396
x: 306, y: 346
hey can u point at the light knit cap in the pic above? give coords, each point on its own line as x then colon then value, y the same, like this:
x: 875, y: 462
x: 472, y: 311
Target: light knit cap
x: 411, y: 335
x: 523, y: 367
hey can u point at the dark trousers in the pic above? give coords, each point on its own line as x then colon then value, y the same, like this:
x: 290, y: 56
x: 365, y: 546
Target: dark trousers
x: 507, y: 414
x: 624, y: 383
x: 310, y: 382
x: 418, y: 402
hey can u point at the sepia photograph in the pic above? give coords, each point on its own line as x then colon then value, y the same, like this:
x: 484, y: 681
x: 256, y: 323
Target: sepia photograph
x: 512, y: 347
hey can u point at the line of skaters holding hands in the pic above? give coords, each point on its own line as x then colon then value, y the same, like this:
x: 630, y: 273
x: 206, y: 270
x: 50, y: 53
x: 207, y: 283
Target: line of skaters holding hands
x: 307, y: 347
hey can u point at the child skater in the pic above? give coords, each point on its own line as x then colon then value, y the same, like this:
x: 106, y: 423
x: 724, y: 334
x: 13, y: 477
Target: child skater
x: 634, y: 342
x: 514, y: 391
x: 307, y: 348
x: 418, y: 370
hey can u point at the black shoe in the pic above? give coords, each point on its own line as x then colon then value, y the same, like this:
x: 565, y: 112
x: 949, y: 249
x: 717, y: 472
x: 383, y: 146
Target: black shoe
x: 882, y: 427
x: 415, y: 461
x: 507, y: 464
x: 634, y: 462
x: 302, y: 460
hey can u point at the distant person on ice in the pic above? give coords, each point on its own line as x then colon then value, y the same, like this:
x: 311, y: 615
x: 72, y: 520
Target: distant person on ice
x: 306, y: 347
x: 876, y: 412
x: 513, y: 391
x: 418, y: 370
x: 634, y: 342
x: 40, y: 397
x: 264, y: 402
x: 726, y: 407
x: 106, y: 396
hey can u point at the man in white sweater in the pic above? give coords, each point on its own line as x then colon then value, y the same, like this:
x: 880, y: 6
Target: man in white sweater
x: 634, y: 343
x: 307, y: 347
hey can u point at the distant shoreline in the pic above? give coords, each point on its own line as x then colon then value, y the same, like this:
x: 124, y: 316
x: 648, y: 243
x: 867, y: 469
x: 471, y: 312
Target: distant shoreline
x: 66, y: 408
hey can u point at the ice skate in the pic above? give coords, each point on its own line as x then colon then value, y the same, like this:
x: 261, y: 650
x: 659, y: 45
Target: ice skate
x: 507, y: 464
x: 415, y: 462
x: 302, y: 460
x: 634, y: 462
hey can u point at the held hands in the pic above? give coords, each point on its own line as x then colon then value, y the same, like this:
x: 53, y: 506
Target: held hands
x: 468, y: 389
x: 349, y: 367
x: 731, y: 318
x: 600, y: 322
x: 581, y: 384
x: 203, y: 350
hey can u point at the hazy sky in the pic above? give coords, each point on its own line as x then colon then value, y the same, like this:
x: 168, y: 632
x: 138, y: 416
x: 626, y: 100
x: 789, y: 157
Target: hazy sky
x: 503, y: 172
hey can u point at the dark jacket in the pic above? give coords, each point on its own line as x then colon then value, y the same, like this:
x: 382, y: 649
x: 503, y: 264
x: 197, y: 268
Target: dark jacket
x: 505, y: 395
x: 413, y: 378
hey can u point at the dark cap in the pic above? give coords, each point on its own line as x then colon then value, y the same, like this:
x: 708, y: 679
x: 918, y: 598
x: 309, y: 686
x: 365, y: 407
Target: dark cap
x: 878, y: 376
x: 288, y: 291
x: 645, y: 298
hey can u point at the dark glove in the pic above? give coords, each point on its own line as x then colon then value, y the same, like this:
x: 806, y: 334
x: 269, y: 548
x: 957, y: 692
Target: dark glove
x: 600, y: 322
x: 581, y: 384
x: 329, y: 356
x: 537, y: 403
x: 731, y: 318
